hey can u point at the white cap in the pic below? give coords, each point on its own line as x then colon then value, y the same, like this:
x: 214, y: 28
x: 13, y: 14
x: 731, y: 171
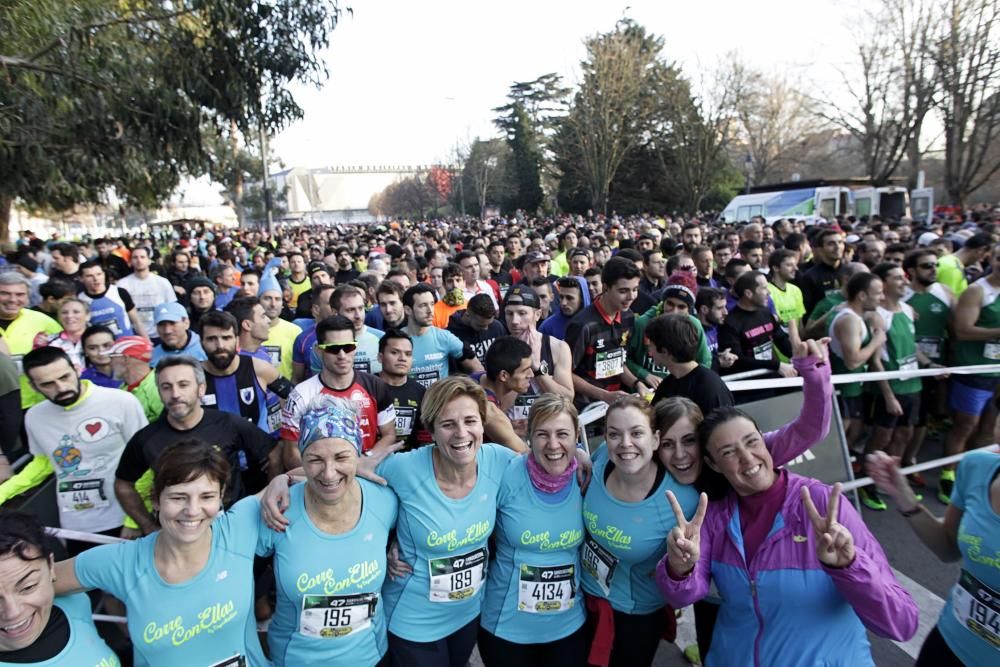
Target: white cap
x: 927, y: 238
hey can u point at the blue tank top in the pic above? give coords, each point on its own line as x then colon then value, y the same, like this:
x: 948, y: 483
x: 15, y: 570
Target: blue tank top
x: 239, y: 393
x: 533, y: 588
x: 625, y: 541
x: 109, y: 310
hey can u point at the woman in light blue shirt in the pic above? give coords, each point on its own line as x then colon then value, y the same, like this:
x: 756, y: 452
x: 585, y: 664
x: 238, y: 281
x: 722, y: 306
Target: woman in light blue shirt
x: 329, y: 564
x: 37, y: 628
x: 185, y: 586
x: 533, y: 611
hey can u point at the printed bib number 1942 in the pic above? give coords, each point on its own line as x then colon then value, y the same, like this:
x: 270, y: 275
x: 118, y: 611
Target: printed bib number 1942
x: 977, y: 607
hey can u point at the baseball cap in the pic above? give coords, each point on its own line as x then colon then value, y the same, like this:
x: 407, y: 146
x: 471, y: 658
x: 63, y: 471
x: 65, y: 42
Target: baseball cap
x: 317, y: 266
x: 522, y: 295
x: 927, y: 238
x: 533, y: 257
x: 136, y: 347
x: 169, y: 312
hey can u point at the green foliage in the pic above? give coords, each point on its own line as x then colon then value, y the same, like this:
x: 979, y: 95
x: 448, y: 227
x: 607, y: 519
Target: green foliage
x: 100, y: 94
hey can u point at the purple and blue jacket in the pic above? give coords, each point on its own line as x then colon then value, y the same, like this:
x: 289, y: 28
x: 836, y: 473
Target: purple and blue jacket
x: 784, y: 607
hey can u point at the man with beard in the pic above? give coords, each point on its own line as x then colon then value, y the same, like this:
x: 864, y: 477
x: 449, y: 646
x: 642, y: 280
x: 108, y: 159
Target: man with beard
x: 573, y: 297
x: 181, y: 383
x: 710, y: 304
x: 691, y: 237
x: 345, y: 267
x: 821, y: 279
x: 281, y: 337
x: 551, y: 358
x: 79, y: 432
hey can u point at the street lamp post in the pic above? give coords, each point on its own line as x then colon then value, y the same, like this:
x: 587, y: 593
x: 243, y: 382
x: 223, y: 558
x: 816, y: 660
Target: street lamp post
x: 748, y: 168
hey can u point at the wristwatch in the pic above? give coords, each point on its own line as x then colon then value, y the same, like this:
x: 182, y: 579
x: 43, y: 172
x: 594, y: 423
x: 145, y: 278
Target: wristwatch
x: 543, y: 369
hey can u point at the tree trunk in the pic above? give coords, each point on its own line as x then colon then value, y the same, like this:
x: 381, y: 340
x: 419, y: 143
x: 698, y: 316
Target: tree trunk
x: 6, y: 203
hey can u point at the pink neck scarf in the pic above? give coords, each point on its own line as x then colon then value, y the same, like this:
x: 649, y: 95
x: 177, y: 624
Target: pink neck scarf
x: 547, y: 482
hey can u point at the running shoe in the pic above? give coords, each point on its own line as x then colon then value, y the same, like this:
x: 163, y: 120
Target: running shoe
x: 692, y: 655
x: 871, y: 499
x: 945, y: 484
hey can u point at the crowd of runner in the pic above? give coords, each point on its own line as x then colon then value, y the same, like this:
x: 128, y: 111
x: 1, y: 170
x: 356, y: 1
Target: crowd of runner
x: 362, y: 445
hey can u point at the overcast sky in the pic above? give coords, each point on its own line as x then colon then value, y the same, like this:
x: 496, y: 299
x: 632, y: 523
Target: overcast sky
x: 411, y: 78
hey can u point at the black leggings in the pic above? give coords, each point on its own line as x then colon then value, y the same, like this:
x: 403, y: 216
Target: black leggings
x: 451, y: 651
x: 936, y: 653
x: 637, y: 636
x: 570, y: 651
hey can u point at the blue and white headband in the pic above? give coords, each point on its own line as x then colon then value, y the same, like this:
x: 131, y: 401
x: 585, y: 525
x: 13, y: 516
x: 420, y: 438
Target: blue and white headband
x: 329, y: 417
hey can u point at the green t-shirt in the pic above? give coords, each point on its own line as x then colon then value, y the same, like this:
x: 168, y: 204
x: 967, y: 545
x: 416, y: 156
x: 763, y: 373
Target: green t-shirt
x: 900, y: 350
x: 933, y: 309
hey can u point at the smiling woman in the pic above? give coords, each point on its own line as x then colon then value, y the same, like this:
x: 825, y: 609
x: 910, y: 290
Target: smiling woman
x: 185, y: 585
x: 36, y: 628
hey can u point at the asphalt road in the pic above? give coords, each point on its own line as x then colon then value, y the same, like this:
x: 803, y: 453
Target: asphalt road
x: 926, y: 577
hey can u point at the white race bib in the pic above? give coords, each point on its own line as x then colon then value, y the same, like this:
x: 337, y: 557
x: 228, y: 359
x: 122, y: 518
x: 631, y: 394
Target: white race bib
x: 930, y: 347
x: 82, y: 494
x: 609, y: 364
x: 763, y: 352
x: 991, y: 350
x: 599, y: 563
x: 546, y: 590
x: 333, y: 616
x: 457, y: 578
x: 909, y: 364
x: 977, y: 607
x: 274, y: 416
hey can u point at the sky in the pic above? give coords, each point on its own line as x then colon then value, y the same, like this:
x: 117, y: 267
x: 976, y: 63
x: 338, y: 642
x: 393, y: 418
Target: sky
x: 411, y: 79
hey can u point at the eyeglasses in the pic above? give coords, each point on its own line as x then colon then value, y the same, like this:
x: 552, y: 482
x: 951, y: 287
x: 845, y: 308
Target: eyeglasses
x: 928, y: 265
x: 334, y: 348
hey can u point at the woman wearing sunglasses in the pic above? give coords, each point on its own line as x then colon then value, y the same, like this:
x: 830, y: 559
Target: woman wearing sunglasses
x: 338, y: 378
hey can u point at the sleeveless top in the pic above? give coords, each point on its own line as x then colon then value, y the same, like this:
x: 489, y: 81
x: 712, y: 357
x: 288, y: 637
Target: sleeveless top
x: 238, y: 393
x: 518, y: 413
x: 851, y: 389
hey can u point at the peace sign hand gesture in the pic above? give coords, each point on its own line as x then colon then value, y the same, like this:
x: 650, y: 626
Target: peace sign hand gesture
x: 834, y: 543
x: 684, y: 540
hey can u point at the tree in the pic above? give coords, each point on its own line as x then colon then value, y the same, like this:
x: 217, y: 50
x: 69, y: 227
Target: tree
x: 233, y: 165
x: 410, y: 197
x: 100, y: 94
x: 529, y: 122
x: 614, y: 103
x: 887, y: 103
x: 486, y: 172
x: 966, y: 55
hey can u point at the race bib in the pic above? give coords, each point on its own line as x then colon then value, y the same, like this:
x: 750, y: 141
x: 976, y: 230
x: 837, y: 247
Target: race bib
x: 930, y: 347
x: 235, y: 661
x: 111, y: 324
x: 991, y: 350
x: 546, y: 590
x: 609, y: 364
x: 404, y: 421
x: 763, y: 352
x: 599, y: 563
x: 82, y: 494
x: 977, y: 607
x: 363, y: 365
x: 333, y: 616
x: 275, y: 353
x: 456, y: 578
x: 18, y: 360
x: 426, y: 378
x: 274, y: 416
x: 909, y: 364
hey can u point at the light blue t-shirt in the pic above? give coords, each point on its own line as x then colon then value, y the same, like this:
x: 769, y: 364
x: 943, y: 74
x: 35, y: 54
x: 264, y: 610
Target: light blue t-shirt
x: 431, y: 353
x: 329, y: 608
x: 625, y: 541
x: 972, y: 612
x: 85, y: 646
x: 207, y: 620
x: 533, y: 588
x: 443, y: 540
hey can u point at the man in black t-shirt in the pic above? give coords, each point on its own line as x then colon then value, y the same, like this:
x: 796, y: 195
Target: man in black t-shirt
x: 672, y: 341
x: 395, y: 353
x: 181, y: 384
x: 476, y: 326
